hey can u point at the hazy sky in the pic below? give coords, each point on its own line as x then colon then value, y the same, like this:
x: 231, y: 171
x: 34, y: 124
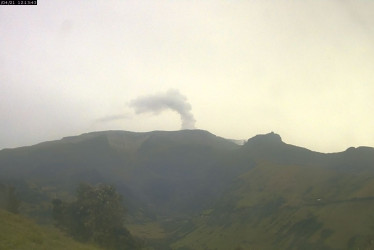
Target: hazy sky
x: 303, y: 69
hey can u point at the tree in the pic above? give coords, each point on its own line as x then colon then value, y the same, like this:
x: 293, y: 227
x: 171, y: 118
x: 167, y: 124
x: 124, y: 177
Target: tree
x: 97, y: 215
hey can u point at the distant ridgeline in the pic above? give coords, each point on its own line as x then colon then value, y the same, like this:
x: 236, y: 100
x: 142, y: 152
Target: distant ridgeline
x: 191, y: 189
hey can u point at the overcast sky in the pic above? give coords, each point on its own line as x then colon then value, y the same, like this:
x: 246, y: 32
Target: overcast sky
x: 303, y: 69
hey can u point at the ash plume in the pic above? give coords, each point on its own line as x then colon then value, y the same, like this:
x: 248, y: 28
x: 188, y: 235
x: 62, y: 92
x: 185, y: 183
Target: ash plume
x: 172, y: 99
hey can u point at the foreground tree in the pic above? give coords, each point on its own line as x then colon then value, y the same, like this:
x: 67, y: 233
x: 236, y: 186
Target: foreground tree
x: 96, y: 215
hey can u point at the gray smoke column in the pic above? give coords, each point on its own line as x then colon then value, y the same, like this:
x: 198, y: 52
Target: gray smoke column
x: 172, y: 99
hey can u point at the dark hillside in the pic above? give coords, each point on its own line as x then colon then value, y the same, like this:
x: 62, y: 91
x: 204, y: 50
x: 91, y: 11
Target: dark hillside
x: 290, y: 198
x: 165, y: 170
x: 193, y: 190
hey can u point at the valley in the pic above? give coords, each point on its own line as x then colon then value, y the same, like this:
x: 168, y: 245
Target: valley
x: 191, y: 189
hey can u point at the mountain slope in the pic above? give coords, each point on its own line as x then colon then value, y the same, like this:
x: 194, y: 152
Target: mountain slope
x: 193, y: 190
x: 291, y: 198
x: 20, y: 233
x: 159, y: 171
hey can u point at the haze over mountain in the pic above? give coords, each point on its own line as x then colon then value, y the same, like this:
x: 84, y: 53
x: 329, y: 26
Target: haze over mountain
x: 191, y: 189
x: 235, y: 68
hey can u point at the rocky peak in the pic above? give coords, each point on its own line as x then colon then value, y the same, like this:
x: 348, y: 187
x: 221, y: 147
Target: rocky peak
x: 265, y: 139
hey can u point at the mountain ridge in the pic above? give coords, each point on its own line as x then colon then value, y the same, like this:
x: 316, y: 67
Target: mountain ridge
x: 203, y: 191
x: 256, y: 139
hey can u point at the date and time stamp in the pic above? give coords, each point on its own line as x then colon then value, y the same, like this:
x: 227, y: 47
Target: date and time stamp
x: 16, y: 2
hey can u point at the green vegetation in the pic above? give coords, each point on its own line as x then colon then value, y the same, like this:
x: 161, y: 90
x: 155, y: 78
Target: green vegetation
x: 18, y: 233
x: 9, y: 199
x: 96, y: 215
x: 288, y: 207
x: 193, y: 190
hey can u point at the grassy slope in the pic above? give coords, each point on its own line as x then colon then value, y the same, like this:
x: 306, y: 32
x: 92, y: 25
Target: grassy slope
x: 289, y: 207
x: 284, y: 197
x: 17, y: 232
